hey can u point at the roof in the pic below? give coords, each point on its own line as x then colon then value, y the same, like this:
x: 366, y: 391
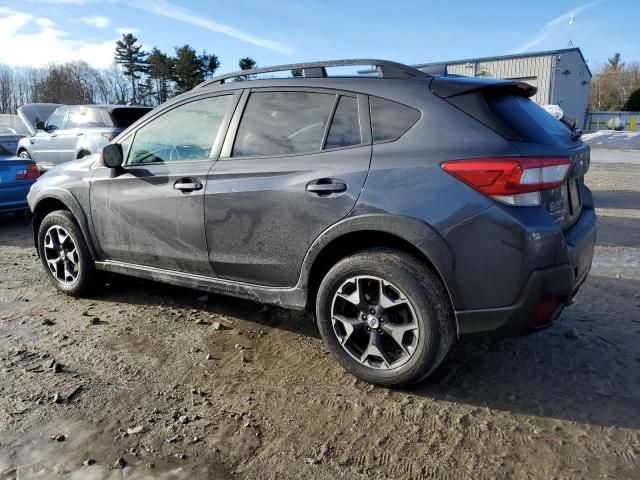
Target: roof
x: 384, y: 68
x: 508, y: 57
x: 107, y: 107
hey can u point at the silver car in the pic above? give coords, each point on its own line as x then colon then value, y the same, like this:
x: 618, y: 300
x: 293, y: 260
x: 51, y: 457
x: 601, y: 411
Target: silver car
x: 61, y: 133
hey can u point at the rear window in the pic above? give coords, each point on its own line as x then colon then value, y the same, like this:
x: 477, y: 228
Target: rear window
x: 84, y: 117
x: 123, y: 117
x: 531, y: 122
x: 390, y: 120
x: 283, y: 123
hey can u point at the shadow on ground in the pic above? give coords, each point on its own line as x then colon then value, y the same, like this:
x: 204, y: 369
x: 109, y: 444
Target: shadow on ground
x: 593, y: 379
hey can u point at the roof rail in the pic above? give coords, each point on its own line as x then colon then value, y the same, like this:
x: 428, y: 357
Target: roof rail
x: 384, y: 68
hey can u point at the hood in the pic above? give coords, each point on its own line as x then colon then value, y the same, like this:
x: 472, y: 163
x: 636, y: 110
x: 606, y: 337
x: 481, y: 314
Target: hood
x: 32, y: 113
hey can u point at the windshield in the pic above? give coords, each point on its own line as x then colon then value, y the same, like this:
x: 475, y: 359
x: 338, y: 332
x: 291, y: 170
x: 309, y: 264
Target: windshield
x: 12, y: 125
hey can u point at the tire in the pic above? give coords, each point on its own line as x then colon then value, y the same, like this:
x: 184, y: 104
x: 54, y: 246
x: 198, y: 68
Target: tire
x: 77, y: 261
x: 83, y: 153
x: 412, y: 290
x: 24, y: 154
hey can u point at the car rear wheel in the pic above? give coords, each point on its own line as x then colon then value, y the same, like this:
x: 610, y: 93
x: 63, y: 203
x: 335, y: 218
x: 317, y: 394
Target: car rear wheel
x: 385, y: 316
x: 65, y: 255
x: 24, y: 154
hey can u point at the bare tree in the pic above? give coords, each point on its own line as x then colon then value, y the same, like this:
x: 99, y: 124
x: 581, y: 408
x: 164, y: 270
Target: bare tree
x: 613, y: 84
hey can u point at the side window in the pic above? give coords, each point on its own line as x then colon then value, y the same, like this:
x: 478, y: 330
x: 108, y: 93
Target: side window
x: 345, y: 127
x: 93, y: 118
x: 55, y: 121
x: 282, y: 123
x: 76, y: 118
x: 390, y: 120
x: 186, y: 132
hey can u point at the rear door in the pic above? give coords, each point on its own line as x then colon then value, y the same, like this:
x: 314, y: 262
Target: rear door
x: 67, y: 137
x: 293, y: 163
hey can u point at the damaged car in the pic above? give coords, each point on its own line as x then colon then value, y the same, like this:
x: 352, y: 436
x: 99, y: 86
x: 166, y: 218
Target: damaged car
x: 405, y: 210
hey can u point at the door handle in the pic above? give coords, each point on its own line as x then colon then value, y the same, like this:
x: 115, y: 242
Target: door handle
x: 326, y: 186
x: 187, y: 185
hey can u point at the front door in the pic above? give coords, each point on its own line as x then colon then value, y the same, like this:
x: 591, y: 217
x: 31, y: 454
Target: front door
x: 152, y: 213
x: 292, y: 165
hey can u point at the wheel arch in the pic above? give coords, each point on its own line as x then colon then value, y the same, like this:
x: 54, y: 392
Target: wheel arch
x: 60, y: 201
x: 83, y: 152
x: 356, y: 234
x: 22, y: 148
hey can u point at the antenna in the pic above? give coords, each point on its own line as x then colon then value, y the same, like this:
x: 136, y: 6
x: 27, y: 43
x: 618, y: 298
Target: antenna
x: 572, y: 19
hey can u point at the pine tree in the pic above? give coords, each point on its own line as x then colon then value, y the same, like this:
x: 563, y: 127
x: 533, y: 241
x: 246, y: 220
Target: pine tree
x: 246, y: 63
x: 187, y: 70
x: 209, y: 64
x: 161, y: 72
x: 129, y: 54
x: 145, y: 92
x: 614, y: 63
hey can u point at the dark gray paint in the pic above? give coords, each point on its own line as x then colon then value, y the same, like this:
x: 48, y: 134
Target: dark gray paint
x: 261, y: 232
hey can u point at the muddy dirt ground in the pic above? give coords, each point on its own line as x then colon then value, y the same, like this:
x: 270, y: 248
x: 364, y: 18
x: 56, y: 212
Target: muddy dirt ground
x: 140, y: 382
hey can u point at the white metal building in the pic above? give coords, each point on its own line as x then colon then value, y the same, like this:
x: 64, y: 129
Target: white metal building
x: 561, y: 76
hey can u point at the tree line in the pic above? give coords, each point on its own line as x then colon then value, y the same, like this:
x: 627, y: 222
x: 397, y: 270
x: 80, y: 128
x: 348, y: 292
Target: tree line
x: 136, y: 76
x: 616, y: 86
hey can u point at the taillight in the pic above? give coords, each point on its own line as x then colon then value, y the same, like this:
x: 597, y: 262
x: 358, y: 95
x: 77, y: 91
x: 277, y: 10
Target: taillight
x: 29, y: 173
x: 511, y: 180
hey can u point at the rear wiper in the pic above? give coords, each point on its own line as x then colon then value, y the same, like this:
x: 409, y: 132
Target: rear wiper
x: 576, y: 132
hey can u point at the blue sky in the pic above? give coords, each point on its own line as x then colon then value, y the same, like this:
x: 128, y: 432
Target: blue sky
x: 280, y: 31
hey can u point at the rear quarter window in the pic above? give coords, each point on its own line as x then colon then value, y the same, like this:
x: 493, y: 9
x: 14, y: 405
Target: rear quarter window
x: 345, y: 127
x: 390, y: 120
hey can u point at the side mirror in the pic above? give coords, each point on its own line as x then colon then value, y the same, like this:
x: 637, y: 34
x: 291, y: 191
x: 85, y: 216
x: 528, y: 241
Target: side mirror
x: 112, y: 155
x: 39, y: 125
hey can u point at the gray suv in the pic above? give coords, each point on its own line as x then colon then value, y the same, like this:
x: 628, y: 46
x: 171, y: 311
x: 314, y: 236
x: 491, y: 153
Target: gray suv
x: 406, y: 210
x: 71, y: 132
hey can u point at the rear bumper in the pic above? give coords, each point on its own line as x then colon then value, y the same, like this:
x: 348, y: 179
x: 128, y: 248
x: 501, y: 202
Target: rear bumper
x: 13, y: 197
x: 556, y: 285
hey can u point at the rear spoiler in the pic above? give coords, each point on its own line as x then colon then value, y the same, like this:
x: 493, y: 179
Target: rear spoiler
x: 452, y: 85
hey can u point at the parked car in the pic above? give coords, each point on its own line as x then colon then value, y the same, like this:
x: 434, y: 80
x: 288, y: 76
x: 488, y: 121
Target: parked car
x: 16, y: 177
x: 11, y: 131
x: 406, y: 211
x: 71, y: 132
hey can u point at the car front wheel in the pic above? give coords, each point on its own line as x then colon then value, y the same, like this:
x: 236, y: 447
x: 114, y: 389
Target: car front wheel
x: 65, y: 255
x: 385, y: 316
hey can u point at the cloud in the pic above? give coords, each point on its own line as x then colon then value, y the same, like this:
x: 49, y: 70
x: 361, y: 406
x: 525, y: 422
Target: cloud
x: 169, y: 10
x: 96, y: 21
x: 551, y: 26
x: 36, y: 41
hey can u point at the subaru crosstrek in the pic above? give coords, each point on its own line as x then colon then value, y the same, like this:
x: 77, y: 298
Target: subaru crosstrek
x: 406, y: 209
